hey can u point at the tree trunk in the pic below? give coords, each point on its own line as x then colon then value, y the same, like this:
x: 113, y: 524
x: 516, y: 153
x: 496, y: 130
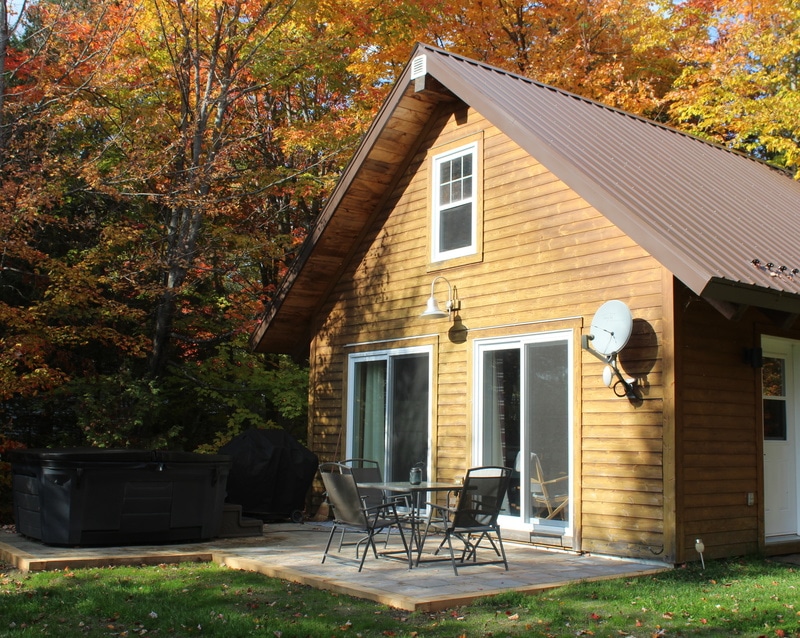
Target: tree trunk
x: 4, y: 35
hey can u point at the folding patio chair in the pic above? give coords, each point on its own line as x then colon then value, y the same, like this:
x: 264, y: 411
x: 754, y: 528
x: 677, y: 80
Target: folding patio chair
x: 473, y: 520
x: 352, y: 513
x: 549, y: 498
x: 367, y: 471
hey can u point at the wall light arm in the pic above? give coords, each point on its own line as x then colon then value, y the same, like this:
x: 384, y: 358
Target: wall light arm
x: 453, y: 303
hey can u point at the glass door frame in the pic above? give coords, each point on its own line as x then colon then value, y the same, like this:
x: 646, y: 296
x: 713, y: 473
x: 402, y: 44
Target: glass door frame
x: 520, y: 341
x: 387, y: 355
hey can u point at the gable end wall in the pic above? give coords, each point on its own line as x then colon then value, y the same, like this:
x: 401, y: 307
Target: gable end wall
x: 548, y: 261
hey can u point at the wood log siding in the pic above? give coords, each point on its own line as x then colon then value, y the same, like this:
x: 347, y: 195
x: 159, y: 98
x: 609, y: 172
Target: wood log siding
x: 547, y: 255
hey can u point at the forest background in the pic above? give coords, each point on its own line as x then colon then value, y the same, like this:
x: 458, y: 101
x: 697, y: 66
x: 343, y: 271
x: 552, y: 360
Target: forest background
x: 161, y: 161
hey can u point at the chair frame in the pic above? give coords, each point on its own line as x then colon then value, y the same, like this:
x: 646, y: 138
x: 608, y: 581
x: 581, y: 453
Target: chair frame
x: 352, y: 513
x: 369, y: 471
x: 473, y: 519
x: 541, y: 489
x: 366, y: 471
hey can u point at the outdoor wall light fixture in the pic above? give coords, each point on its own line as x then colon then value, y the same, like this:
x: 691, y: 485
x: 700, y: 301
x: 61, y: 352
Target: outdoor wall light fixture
x: 453, y: 304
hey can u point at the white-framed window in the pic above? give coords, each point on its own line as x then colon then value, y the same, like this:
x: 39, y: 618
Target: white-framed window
x: 523, y: 420
x: 454, y: 205
x: 389, y: 407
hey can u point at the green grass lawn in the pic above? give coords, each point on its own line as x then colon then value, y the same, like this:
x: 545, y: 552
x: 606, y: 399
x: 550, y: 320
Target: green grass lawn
x: 746, y: 597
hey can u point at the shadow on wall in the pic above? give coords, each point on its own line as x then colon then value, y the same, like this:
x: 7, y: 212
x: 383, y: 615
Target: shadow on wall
x: 639, y: 357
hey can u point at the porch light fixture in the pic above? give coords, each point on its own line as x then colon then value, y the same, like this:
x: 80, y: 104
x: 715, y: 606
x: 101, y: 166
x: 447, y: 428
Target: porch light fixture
x: 453, y: 304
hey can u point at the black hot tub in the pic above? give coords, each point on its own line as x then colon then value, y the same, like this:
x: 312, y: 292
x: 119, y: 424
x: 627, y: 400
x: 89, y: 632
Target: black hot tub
x: 118, y: 497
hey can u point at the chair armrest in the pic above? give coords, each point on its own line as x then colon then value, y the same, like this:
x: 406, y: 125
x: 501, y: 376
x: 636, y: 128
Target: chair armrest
x: 380, y: 507
x: 398, y: 499
x: 442, y: 512
x: 441, y: 508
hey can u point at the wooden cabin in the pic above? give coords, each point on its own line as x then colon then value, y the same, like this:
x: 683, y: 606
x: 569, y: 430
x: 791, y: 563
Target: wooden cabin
x: 523, y: 210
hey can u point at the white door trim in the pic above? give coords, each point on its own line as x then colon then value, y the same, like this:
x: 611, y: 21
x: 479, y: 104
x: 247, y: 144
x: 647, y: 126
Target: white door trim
x: 781, y: 490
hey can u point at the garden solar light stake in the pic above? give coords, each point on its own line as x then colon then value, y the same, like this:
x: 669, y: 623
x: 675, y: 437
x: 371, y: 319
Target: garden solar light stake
x: 700, y: 547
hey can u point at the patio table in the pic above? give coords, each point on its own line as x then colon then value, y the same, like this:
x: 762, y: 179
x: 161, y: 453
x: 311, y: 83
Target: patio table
x: 418, y: 493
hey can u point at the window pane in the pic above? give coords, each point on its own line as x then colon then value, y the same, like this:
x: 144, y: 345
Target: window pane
x: 409, y: 415
x: 773, y: 377
x: 456, y: 170
x: 466, y: 184
x: 369, y: 422
x: 775, y: 419
x: 455, y: 228
x: 444, y: 194
x: 455, y: 192
x: 445, y: 172
x: 501, y: 409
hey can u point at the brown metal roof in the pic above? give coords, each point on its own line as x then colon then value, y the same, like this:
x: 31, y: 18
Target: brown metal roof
x: 705, y: 212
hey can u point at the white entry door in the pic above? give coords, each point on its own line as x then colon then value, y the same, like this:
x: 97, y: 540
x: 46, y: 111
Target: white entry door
x: 779, y: 376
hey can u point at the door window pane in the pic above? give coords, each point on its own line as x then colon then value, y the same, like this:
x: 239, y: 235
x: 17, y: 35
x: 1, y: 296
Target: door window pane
x: 547, y: 414
x: 773, y: 381
x: 525, y: 425
x: 409, y: 416
x: 501, y: 415
x: 369, y: 410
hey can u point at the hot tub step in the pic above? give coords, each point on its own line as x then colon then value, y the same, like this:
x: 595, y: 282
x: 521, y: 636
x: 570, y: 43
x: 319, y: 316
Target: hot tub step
x: 236, y: 525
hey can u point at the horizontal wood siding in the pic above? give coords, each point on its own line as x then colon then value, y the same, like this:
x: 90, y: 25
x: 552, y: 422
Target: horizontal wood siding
x: 719, y: 441
x: 549, y: 260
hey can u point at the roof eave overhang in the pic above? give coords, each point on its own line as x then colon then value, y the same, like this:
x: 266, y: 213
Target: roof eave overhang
x: 288, y: 330
x: 776, y: 303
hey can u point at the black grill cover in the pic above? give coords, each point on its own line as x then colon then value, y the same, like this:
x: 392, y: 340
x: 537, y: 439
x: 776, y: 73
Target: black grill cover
x: 271, y: 473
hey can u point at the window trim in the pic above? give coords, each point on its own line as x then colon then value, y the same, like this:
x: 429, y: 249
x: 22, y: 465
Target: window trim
x: 473, y: 144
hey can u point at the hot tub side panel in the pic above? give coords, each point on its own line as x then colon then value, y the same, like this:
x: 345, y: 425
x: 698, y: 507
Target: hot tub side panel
x: 170, y: 497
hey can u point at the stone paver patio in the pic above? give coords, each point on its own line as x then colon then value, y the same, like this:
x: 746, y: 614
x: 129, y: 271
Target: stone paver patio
x: 293, y: 552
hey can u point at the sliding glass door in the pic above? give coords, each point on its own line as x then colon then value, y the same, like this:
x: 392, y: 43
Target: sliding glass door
x: 524, y: 421
x: 389, y: 409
